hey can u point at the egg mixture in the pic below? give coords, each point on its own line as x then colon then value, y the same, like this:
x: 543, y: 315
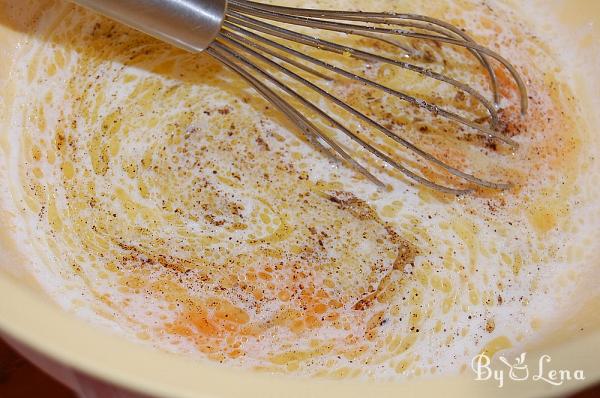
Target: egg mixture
x: 160, y: 196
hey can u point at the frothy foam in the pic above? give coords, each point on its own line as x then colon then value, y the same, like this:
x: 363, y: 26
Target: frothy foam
x: 171, y: 203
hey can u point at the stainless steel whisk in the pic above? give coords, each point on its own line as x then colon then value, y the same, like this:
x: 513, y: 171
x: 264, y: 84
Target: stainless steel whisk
x: 244, y: 35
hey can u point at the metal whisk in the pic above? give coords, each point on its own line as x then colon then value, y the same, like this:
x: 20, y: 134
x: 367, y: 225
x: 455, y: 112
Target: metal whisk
x: 262, y: 43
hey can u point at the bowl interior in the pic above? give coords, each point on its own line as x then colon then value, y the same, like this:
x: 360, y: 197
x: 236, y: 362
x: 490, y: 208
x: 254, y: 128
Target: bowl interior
x: 27, y: 314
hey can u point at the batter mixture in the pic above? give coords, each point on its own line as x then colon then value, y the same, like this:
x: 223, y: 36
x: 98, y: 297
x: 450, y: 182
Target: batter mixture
x: 162, y: 197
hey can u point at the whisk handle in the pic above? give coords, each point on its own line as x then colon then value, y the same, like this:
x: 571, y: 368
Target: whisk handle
x: 188, y: 24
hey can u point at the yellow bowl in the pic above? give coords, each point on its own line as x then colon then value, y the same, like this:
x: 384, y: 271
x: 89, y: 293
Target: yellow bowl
x: 70, y: 349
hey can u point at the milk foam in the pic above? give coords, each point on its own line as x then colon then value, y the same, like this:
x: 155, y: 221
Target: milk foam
x: 489, y: 272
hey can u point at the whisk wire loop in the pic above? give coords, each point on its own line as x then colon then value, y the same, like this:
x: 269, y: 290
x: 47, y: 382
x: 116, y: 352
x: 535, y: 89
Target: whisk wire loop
x: 221, y: 49
x: 254, y: 43
x: 403, y: 20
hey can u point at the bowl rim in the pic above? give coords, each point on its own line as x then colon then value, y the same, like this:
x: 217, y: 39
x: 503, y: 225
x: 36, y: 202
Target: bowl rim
x: 49, y: 330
